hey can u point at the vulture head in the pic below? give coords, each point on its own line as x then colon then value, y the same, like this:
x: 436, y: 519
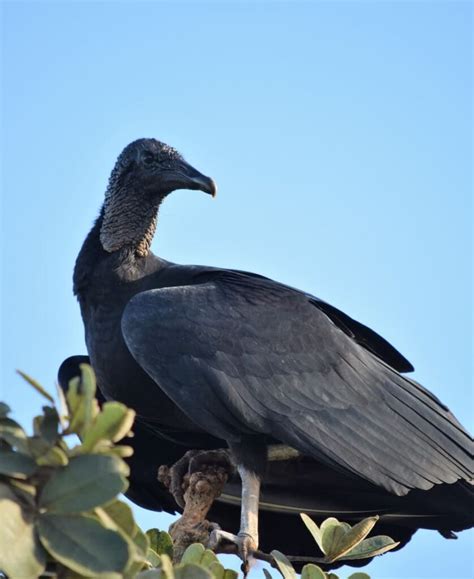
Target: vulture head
x: 146, y: 171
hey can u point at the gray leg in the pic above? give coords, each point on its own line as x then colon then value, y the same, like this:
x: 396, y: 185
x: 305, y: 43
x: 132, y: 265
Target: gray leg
x: 249, y: 512
x: 247, y: 539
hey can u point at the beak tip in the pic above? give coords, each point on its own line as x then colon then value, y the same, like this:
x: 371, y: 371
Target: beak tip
x: 213, y: 188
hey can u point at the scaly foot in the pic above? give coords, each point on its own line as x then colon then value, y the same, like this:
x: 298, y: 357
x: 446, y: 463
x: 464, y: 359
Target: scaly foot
x: 176, y: 478
x: 245, y: 543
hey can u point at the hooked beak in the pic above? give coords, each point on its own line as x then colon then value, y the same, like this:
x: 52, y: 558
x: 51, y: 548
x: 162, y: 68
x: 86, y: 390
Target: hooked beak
x: 184, y: 176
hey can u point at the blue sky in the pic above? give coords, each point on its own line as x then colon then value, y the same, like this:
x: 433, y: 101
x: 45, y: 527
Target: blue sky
x: 340, y: 136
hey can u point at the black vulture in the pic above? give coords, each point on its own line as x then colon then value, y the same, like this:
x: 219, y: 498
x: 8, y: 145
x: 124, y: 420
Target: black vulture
x: 216, y: 358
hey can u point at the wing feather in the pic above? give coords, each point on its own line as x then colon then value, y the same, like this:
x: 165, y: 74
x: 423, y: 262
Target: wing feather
x: 254, y: 357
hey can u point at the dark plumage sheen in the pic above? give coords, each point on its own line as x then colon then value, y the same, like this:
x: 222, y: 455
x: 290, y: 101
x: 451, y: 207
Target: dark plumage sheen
x: 212, y: 357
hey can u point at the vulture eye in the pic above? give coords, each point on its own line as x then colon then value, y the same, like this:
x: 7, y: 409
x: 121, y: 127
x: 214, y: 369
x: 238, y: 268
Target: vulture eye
x: 148, y: 158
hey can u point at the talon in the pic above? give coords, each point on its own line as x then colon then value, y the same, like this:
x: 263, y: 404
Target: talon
x: 212, y: 458
x: 245, y: 543
x: 176, y: 478
x: 218, y: 537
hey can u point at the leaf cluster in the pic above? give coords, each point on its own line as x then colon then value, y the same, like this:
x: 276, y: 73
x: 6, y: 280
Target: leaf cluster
x: 58, y: 503
x: 60, y: 513
x: 339, y: 542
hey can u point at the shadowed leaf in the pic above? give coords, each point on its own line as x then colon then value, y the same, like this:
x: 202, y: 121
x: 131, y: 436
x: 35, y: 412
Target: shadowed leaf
x: 371, y: 547
x: 81, y: 401
x: 46, y: 425
x: 160, y: 542
x: 82, y: 544
x: 191, y: 571
x: 153, y: 558
x: 208, y: 558
x: 16, y: 464
x: 54, y: 457
x: 13, y: 433
x: 311, y: 571
x: 284, y: 566
x: 21, y: 554
x: 122, y: 516
x: 86, y: 482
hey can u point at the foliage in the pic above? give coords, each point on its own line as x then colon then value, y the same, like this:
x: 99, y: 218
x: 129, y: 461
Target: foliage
x: 61, y: 516
x: 339, y: 542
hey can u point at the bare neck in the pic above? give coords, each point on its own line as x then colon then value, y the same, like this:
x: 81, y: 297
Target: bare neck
x: 129, y: 221
x: 127, y: 234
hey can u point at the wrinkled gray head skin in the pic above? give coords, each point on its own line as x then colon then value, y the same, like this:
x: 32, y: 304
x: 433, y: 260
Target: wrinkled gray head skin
x: 145, y: 172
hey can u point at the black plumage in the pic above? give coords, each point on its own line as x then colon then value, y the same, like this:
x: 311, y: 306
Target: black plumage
x: 211, y: 357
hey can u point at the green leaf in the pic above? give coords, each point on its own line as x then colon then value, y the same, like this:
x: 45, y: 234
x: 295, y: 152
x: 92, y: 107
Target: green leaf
x: 313, y: 529
x: 63, y: 408
x: 13, y: 433
x: 16, y: 464
x: 54, y: 457
x: 69, y: 574
x: 193, y: 554
x: 311, y: 571
x: 73, y: 398
x: 152, y: 574
x: 107, y: 447
x: 208, y: 558
x: 4, y: 410
x: 37, y: 447
x: 36, y: 386
x: 267, y: 574
x: 153, y: 558
x: 331, y: 534
x: 122, y: 516
x: 284, y: 566
x: 140, y: 540
x: 191, y: 571
x: 46, y: 425
x: 25, y: 492
x: 82, y: 544
x: 166, y: 568
x: 117, y: 516
x: 359, y: 575
x: 371, y: 547
x: 65, y: 573
x: 217, y: 569
x: 344, y: 541
x: 160, y: 542
x: 88, y: 481
x: 140, y: 546
x: 113, y: 423
x: 83, y: 406
x: 21, y: 554
x: 88, y: 389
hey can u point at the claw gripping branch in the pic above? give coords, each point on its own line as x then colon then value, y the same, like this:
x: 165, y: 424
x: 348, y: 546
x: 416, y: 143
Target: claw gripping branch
x: 202, y: 488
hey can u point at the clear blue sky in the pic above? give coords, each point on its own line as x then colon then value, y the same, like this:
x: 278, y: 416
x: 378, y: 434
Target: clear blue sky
x: 340, y: 135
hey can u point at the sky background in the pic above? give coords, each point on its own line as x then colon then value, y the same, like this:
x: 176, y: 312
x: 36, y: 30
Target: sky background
x: 340, y: 136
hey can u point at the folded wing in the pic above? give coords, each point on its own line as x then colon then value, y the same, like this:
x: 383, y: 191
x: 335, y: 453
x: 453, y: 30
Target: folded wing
x: 244, y: 355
